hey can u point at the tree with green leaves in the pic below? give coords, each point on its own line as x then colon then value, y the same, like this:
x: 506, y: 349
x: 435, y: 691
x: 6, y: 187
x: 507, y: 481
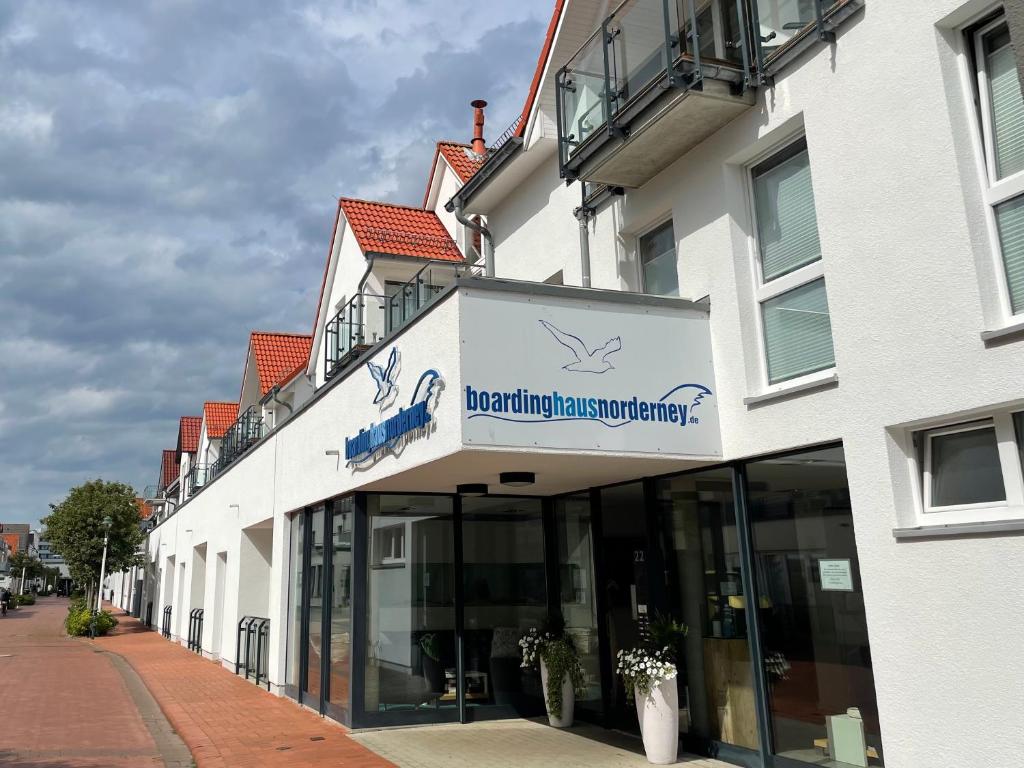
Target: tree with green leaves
x: 23, y: 560
x: 75, y: 529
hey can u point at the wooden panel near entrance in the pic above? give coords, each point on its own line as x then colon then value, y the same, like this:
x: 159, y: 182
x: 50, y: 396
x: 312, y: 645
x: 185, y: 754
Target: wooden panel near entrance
x: 729, y: 683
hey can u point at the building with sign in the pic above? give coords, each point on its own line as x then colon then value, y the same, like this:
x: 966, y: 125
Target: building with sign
x: 726, y: 326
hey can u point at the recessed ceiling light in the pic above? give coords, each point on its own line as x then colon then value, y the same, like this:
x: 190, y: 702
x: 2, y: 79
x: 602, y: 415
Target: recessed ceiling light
x: 471, y: 489
x: 517, y: 479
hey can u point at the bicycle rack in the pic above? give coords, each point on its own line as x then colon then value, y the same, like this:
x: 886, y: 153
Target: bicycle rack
x: 195, y: 630
x: 165, y: 627
x: 254, y: 656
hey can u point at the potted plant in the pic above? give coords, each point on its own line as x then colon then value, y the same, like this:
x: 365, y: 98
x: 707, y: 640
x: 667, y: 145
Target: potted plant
x: 561, y: 674
x: 649, y: 673
x: 433, y: 669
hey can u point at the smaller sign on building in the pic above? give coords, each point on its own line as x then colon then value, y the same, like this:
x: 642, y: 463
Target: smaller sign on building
x: 391, y: 433
x: 836, y: 575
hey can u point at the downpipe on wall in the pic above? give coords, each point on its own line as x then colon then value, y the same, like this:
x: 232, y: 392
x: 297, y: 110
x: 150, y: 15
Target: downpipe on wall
x: 485, y: 234
x: 583, y: 214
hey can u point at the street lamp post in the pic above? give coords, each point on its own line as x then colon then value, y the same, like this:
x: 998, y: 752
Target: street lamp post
x: 107, y: 522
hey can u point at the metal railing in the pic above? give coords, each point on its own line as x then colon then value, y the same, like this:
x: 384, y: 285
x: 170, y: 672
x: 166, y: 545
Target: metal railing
x: 165, y: 625
x: 645, y: 45
x: 198, y: 476
x: 505, y: 135
x: 369, y: 317
x: 247, y: 430
x: 252, y: 649
x: 195, y: 630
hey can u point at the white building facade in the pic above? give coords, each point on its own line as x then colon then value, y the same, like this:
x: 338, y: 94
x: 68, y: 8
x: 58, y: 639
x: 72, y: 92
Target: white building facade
x: 743, y: 347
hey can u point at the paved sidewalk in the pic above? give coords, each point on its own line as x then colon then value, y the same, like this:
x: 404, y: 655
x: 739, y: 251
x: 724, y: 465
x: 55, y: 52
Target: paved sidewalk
x: 513, y: 744
x: 68, y: 705
x: 225, y: 720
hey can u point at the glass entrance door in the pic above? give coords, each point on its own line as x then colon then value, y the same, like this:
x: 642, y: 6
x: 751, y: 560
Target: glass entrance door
x: 505, y: 594
x: 624, y: 556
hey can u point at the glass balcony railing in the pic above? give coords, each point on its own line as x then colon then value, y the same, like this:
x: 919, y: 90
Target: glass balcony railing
x: 646, y: 44
x: 198, y: 476
x: 247, y: 430
x: 647, y: 48
x: 369, y: 317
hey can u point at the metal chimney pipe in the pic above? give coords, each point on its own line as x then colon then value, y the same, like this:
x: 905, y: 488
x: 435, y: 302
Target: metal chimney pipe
x: 478, y: 126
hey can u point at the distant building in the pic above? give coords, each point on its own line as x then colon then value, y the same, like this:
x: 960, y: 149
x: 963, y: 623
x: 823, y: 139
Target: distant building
x: 17, y: 535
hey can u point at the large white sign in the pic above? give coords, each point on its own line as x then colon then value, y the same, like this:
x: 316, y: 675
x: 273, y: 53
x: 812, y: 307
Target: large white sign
x: 539, y: 372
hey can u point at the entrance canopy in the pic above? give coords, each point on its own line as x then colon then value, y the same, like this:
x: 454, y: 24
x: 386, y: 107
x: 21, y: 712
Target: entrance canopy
x: 579, y: 387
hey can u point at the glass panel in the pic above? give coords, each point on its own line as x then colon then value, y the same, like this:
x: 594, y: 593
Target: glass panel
x: 341, y: 607
x: 583, y: 94
x: 798, y: 332
x: 636, y: 55
x: 578, y: 601
x: 965, y: 468
x: 811, y: 610
x: 295, y: 568
x: 410, y: 615
x: 505, y: 595
x: 781, y: 20
x: 315, y: 574
x: 1010, y: 221
x: 658, y: 258
x: 624, y: 554
x: 717, y: 27
x: 787, y: 225
x: 702, y: 561
x: 1007, y: 103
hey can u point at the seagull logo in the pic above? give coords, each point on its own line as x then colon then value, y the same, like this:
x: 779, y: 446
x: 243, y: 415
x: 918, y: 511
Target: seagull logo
x: 586, y: 361
x: 387, y: 387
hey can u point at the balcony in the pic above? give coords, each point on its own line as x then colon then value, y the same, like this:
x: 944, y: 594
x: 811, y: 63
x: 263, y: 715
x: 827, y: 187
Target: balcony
x: 369, y: 317
x: 198, y: 476
x: 247, y: 430
x: 660, y: 76
x: 656, y: 79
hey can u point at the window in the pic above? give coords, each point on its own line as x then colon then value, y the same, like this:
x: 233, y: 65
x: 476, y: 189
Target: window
x: 389, y: 545
x: 657, y: 250
x: 794, y: 314
x: 973, y: 470
x: 1001, y: 109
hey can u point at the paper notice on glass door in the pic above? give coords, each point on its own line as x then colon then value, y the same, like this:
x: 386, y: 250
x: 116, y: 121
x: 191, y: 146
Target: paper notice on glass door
x: 836, y: 575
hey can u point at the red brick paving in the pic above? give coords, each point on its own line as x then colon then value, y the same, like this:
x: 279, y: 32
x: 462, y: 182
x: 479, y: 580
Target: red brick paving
x: 225, y: 720
x: 63, y: 704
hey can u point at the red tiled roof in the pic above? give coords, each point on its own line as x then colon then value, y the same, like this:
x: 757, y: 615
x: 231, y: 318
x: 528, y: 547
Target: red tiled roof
x: 188, y: 433
x: 168, y: 467
x: 460, y: 157
x: 145, y: 510
x: 278, y: 355
x: 545, y: 51
x: 219, y: 416
x: 399, y: 230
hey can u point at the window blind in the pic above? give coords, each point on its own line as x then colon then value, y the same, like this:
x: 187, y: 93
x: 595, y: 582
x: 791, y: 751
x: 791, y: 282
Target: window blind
x: 798, y: 332
x: 1007, y: 111
x: 1010, y: 220
x: 787, y: 225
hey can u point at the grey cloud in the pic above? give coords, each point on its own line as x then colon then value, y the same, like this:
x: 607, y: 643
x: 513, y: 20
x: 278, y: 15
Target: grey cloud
x: 168, y: 177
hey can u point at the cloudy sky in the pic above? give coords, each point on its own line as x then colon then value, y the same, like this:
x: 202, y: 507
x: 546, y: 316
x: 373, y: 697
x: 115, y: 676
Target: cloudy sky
x: 168, y: 172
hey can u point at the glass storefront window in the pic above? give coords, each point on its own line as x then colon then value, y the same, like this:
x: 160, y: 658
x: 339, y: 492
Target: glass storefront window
x: 813, y: 628
x: 293, y: 662
x: 341, y: 609
x: 410, y: 617
x: 505, y: 594
x: 702, y: 562
x: 578, y: 600
x: 314, y: 631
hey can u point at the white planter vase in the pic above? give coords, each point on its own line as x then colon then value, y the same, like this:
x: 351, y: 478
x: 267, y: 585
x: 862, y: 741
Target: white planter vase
x: 658, y: 713
x: 568, y: 699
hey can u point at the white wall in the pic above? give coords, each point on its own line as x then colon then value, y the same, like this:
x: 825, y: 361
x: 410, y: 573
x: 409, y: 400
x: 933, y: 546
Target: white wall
x: 908, y: 268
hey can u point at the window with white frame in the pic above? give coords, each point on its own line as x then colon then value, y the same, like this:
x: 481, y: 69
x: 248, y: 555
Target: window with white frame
x: 1001, y: 111
x: 657, y: 250
x: 389, y: 545
x: 973, y: 470
x: 790, y: 284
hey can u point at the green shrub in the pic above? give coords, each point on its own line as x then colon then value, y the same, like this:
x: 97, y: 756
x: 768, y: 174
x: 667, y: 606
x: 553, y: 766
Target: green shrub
x: 24, y: 600
x: 79, y: 617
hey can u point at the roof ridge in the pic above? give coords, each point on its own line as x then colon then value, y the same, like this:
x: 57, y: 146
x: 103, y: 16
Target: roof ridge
x: 464, y: 144
x: 219, y: 402
x: 389, y: 205
x: 282, y: 333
